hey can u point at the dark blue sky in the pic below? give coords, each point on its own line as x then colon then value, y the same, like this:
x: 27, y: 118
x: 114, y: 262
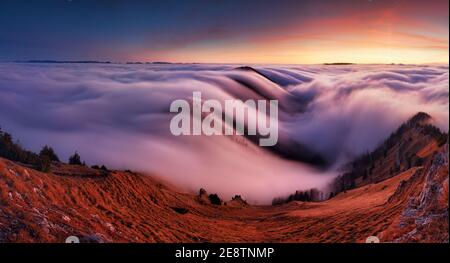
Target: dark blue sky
x: 205, y: 31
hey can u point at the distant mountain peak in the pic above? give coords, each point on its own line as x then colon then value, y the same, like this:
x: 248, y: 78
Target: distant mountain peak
x: 248, y: 68
x: 420, y: 118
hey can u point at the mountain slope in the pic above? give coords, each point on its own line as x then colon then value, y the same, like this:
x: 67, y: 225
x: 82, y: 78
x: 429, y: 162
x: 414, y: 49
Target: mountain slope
x: 410, y: 205
x: 127, y: 207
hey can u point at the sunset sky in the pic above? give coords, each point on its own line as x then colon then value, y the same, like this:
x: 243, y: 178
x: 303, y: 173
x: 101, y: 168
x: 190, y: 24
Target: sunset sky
x: 249, y: 31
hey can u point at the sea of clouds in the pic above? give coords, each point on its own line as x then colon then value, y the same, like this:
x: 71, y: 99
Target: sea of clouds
x: 118, y: 115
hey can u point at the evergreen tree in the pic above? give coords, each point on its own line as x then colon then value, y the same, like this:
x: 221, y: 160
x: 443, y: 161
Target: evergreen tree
x: 75, y: 159
x: 48, y: 151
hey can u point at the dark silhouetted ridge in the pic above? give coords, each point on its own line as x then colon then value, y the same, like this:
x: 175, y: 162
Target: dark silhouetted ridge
x: 65, y: 61
x: 411, y: 145
x: 247, y: 68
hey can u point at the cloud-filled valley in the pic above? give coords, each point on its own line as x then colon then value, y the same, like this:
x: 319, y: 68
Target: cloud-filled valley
x: 119, y: 115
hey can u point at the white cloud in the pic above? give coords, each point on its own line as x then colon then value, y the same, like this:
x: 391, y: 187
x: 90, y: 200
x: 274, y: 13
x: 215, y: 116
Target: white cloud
x: 119, y: 115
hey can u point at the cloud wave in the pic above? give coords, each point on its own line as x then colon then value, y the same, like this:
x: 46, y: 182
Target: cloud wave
x: 119, y: 115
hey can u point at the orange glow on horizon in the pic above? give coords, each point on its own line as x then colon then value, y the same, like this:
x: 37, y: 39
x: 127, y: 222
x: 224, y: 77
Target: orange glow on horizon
x: 382, y: 36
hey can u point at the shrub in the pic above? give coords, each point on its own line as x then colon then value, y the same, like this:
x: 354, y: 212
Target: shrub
x: 43, y: 164
x: 215, y: 199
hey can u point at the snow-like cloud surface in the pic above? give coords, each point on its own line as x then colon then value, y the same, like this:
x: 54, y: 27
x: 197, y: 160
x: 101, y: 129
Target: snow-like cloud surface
x: 119, y: 115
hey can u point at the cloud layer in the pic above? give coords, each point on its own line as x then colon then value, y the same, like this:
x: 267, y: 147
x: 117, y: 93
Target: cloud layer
x: 119, y: 115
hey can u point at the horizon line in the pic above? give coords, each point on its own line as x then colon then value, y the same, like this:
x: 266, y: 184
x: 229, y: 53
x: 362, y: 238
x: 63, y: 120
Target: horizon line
x: 89, y: 61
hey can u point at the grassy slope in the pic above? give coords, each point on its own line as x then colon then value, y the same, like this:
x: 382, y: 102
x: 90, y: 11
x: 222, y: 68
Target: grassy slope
x: 123, y: 207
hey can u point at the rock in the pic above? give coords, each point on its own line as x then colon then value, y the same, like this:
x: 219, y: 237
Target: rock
x: 110, y: 227
x: 202, y: 192
x: 180, y: 210
x: 203, y: 197
x: 428, y: 211
x: 237, y: 201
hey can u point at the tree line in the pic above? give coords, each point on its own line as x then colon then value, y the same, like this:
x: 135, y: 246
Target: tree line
x: 311, y: 195
x: 13, y: 150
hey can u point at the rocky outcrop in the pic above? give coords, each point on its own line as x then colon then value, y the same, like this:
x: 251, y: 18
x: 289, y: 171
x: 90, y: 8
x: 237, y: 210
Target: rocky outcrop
x: 425, y: 215
x: 236, y: 201
x: 203, y: 197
